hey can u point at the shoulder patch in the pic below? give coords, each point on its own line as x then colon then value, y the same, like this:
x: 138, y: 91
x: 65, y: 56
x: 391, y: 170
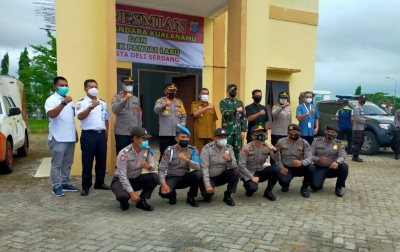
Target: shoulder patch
x: 245, y: 151
x: 123, y: 157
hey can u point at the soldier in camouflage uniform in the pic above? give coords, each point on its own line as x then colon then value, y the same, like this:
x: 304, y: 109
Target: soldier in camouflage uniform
x: 233, y: 119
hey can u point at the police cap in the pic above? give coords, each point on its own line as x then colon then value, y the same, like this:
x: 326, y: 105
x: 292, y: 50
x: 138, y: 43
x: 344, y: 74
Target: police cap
x: 362, y: 98
x: 258, y: 128
x: 220, y: 132
x: 332, y: 127
x: 294, y: 127
x: 232, y: 86
x: 283, y: 95
x: 140, y: 132
x: 171, y: 87
x: 128, y: 80
x: 182, y: 130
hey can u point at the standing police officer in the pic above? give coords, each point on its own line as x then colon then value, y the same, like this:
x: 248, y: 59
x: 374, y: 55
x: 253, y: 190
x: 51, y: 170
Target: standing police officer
x: 218, y: 165
x: 256, y: 113
x: 171, y: 113
x: 397, y: 128
x: 94, y: 117
x: 176, y: 161
x: 126, y: 108
x: 128, y: 176
x: 358, y: 128
x: 233, y: 119
x: 296, y: 160
x: 345, y: 120
x: 252, y: 159
x: 281, y: 118
x: 328, y: 156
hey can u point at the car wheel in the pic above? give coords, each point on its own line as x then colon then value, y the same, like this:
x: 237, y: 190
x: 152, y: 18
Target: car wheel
x: 23, y: 151
x: 371, y: 145
x: 7, y: 164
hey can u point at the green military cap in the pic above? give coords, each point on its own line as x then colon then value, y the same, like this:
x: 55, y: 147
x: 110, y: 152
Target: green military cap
x: 232, y: 86
x: 294, y: 127
x: 332, y: 127
x: 129, y: 79
x: 171, y: 87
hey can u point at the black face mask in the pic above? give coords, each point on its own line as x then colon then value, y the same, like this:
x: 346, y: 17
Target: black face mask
x: 330, y: 136
x: 171, y: 95
x: 260, y: 138
x: 295, y: 136
x: 257, y: 99
x: 232, y: 93
x: 184, y: 143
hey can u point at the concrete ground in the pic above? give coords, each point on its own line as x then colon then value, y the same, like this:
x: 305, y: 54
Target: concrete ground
x: 367, y: 218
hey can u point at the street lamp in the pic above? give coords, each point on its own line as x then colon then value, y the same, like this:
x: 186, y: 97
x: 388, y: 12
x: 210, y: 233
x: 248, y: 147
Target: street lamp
x: 394, y: 102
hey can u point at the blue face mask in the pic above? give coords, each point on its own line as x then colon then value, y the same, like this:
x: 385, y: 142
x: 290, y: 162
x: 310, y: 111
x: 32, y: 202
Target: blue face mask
x: 144, y: 144
x: 63, y: 90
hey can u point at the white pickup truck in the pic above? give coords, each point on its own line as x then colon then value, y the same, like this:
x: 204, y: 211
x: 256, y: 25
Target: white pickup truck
x: 13, y: 122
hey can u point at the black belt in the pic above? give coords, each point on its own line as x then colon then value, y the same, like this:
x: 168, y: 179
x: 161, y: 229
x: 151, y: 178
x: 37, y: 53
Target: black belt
x: 94, y: 131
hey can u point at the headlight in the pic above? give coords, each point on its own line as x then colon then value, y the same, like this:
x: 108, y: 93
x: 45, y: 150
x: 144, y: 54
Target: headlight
x: 384, y: 126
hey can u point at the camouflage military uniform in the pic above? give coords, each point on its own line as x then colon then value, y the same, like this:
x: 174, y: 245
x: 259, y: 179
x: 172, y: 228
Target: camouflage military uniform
x: 234, y: 122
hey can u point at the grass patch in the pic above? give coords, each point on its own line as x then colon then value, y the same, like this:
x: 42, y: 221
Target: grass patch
x: 38, y: 126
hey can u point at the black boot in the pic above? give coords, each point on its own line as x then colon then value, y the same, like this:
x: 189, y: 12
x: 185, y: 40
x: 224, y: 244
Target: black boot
x: 228, y: 200
x: 304, y: 192
x: 172, y: 198
x: 357, y: 159
x: 124, y: 205
x: 191, y: 201
x: 268, y: 193
x: 339, y: 192
x: 142, y: 204
x: 396, y: 154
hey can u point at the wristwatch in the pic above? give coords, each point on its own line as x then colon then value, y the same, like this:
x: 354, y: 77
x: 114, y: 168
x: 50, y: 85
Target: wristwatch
x: 63, y: 103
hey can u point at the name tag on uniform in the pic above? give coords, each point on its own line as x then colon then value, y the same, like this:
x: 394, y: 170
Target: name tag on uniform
x: 309, y: 125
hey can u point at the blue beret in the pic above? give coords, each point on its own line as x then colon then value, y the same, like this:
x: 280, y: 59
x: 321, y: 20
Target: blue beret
x: 183, y: 130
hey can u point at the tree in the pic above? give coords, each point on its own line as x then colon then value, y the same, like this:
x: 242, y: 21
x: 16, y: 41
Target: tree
x: 5, y: 65
x: 25, y: 76
x: 358, y: 90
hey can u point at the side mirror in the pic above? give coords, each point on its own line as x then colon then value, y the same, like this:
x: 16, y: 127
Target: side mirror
x: 14, y: 112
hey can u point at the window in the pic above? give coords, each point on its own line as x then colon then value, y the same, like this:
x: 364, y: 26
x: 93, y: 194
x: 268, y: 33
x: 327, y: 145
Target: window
x: 370, y: 108
x: 7, y: 105
x: 11, y: 102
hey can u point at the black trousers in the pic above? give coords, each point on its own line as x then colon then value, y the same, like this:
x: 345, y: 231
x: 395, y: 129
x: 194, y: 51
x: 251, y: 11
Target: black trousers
x: 121, y: 141
x: 191, y: 179
x: 306, y: 171
x: 93, y: 145
x: 349, y: 136
x: 322, y: 173
x: 229, y: 176
x: 309, y: 139
x: 397, y: 147
x: 274, y: 141
x: 358, y: 140
x: 270, y: 173
x: 145, y: 182
x: 165, y: 142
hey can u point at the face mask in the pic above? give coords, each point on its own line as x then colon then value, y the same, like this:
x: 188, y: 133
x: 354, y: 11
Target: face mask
x: 128, y: 88
x: 390, y: 107
x: 257, y: 99
x: 204, y: 98
x: 295, y: 136
x: 93, y: 91
x: 361, y: 103
x: 330, y: 136
x: 282, y: 101
x: 184, y: 143
x: 144, y: 144
x: 383, y: 105
x: 308, y: 100
x: 222, y: 142
x: 232, y: 93
x: 63, y: 90
x: 171, y: 95
x: 260, y: 138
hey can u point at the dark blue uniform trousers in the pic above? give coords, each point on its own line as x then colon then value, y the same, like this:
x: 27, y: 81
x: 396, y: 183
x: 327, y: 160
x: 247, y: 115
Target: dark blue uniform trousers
x: 322, y: 173
x: 93, y: 145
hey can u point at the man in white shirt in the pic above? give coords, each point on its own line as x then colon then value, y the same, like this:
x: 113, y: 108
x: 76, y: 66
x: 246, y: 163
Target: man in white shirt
x: 62, y: 137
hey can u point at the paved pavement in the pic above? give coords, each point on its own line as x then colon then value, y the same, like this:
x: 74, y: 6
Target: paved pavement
x: 367, y: 218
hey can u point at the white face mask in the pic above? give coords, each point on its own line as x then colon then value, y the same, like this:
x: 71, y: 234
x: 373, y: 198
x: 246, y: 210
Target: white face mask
x: 390, y: 107
x: 308, y: 100
x: 222, y: 142
x: 383, y: 105
x: 128, y: 88
x: 204, y: 98
x: 282, y: 101
x: 93, y: 91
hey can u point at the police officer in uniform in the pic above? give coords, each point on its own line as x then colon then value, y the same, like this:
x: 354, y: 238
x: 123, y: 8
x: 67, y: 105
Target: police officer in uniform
x: 176, y: 161
x: 171, y: 113
x: 281, y: 118
x: 126, y: 108
x: 328, y: 156
x: 205, y: 118
x: 397, y: 128
x: 252, y: 158
x: 128, y: 176
x: 358, y: 128
x: 296, y: 160
x: 218, y: 165
x: 94, y: 117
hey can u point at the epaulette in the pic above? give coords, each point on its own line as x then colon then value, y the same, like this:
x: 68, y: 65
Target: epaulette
x: 169, y: 148
x: 208, y: 145
x: 319, y: 139
x: 338, y: 141
x: 126, y: 149
x: 102, y: 100
x: 81, y: 99
x: 229, y: 146
x: 275, y: 106
x: 192, y: 147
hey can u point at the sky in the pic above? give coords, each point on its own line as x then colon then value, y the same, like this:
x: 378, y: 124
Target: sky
x: 358, y: 42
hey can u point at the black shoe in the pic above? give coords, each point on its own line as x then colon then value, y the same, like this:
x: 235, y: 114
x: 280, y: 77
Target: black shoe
x: 228, y: 200
x: 102, y: 187
x: 396, y: 157
x: 191, y: 201
x: 284, y: 189
x: 172, y: 198
x: 304, y: 192
x: 124, y: 205
x: 85, y: 192
x: 207, y: 199
x: 142, y: 204
x: 249, y: 194
x: 268, y: 194
x: 357, y: 159
x: 313, y: 188
x: 339, y: 192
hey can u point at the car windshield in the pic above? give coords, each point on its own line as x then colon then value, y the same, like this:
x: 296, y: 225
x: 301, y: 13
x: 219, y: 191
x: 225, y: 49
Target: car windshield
x: 370, y: 108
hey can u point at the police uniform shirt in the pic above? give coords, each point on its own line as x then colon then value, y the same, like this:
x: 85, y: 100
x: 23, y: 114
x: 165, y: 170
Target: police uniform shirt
x: 204, y: 123
x: 171, y: 116
x: 128, y: 165
x: 127, y: 113
x: 397, y: 119
x: 359, y: 118
x: 173, y: 165
x: 62, y: 127
x: 253, y: 109
x: 334, y: 152
x: 97, y: 116
x: 252, y: 159
x: 212, y: 162
x: 300, y: 150
x: 282, y: 118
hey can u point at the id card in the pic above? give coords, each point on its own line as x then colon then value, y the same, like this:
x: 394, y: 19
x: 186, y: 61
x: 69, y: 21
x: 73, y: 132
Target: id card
x: 309, y: 125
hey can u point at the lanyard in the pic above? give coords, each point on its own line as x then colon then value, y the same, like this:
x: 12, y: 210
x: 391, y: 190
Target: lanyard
x: 307, y: 111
